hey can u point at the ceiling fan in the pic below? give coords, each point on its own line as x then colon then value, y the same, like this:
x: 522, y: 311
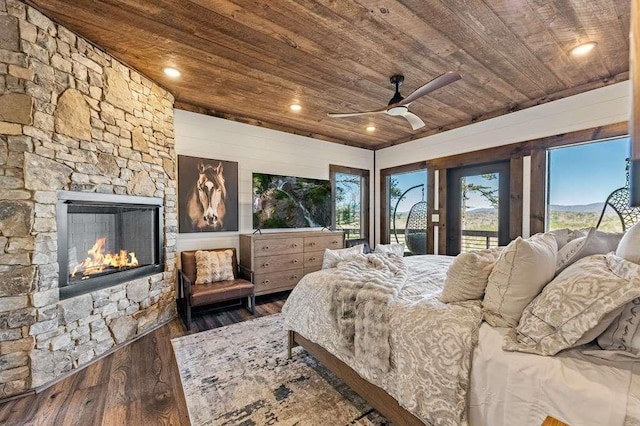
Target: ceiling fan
x: 399, y: 106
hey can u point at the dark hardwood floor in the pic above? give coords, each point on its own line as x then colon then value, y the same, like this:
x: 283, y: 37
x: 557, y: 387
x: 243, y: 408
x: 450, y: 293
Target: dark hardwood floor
x: 138, y: 384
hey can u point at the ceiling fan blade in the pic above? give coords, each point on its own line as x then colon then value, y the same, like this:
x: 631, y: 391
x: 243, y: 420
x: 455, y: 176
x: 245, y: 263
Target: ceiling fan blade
x: 354, y: 114
x: 414, y: 120
x: 435, y: 84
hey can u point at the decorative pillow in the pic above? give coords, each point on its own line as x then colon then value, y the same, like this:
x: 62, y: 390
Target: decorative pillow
x: 629, y: 246
x: 623, y: 334
x: 595, y: 242
x: 468, y: 275
x: 332, y: 257
x: 574, y: 303
x: 214, y: 266
x: 522, y: 270
x: 397, y: 249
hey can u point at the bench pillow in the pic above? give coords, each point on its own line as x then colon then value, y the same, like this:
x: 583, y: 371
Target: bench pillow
x: 214, y: 266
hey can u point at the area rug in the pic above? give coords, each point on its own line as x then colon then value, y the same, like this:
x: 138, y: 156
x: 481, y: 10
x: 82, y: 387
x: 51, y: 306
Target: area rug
x: 240, y: 375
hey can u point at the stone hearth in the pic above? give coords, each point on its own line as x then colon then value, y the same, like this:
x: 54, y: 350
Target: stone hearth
x: 72, y: 118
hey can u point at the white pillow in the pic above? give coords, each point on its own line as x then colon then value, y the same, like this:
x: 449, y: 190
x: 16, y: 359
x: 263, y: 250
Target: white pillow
x: 629, y: 246
x: 468, y: 275
x: 397, y: 249
x: 332, y: 257
x: 214, y: 266
x: 522, y: 270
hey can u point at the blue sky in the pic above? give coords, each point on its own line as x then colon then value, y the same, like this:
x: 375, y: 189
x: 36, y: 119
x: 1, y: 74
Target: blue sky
x: 588, y: 173
x: 581, y: 174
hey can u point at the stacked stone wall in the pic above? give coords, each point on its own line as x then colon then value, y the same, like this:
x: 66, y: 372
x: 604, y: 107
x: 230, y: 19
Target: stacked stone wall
x: 72, y: 118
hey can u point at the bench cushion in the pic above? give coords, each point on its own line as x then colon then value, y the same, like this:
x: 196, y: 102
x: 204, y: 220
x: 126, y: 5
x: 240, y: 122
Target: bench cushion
x: 204, y: 294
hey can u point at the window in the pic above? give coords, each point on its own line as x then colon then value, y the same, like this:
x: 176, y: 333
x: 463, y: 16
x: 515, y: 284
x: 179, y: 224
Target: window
x: 350, y: 193
x: 406, y: 210
x: 581, y: 177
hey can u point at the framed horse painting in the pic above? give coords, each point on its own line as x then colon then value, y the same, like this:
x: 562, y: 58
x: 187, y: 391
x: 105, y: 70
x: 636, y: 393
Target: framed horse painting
x: 207, y: 195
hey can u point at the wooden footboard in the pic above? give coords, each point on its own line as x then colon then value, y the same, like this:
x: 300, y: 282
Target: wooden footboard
x: 377, y: 397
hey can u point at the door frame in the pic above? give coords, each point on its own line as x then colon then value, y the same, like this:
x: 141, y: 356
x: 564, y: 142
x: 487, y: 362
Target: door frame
x: 454, y: 201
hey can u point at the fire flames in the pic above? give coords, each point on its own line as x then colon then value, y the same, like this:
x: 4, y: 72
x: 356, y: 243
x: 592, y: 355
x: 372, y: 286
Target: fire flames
x: 98, y: 260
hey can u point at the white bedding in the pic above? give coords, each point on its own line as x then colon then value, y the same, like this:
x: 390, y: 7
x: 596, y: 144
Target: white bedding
x: 510, y: 388
x: 506, y: 388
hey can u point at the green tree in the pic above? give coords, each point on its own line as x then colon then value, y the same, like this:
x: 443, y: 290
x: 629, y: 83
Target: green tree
x: 486, y: 191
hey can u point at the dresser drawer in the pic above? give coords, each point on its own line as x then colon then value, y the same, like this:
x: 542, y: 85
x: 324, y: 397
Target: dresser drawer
x: 268, y: 247
x: 313, y: 259
x: 275, y: 281
x: 323, y: 242
x: 278, y: 263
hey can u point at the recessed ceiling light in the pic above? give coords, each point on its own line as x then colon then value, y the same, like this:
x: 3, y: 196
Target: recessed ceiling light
x: 370, y: 128
x: 172, y: 72
x: 295, y: 107
x: 583, y: 49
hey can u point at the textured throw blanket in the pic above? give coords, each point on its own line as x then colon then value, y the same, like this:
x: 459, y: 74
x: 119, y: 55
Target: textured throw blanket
x: 363, y: 290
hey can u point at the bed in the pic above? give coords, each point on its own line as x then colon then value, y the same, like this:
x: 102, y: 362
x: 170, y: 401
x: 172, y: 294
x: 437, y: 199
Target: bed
x: 491, y: 386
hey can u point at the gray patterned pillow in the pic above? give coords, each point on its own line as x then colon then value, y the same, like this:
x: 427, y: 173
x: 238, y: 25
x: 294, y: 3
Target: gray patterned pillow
x: 214, y: 266
x: 468, y: 275
x: 575, y: 303
x: 623, y: 335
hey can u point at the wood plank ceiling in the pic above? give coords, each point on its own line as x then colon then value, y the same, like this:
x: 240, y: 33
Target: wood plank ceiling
x: 248, y: 60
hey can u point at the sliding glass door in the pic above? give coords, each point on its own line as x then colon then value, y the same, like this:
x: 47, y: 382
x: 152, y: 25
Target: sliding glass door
x: 477, y: 207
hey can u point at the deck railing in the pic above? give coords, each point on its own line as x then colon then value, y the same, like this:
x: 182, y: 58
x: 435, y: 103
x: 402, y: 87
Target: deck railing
x: 471, y: 239
x: 478, y: 240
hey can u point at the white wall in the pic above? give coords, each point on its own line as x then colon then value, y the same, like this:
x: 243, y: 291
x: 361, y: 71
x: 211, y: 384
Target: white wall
x: 607, y: 105
x: 256, y: 149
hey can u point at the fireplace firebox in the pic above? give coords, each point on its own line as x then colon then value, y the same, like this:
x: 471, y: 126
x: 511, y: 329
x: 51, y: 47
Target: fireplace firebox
x: 105, y: 239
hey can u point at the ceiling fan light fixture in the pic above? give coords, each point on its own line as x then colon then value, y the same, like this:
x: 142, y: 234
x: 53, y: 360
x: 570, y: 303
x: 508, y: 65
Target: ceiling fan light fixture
x: 370, y: 128
x: 172, y: 72
x: 583, y: 48
x: 295, y: 107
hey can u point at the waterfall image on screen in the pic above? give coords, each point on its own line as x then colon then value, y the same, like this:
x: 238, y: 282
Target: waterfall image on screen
x: 290, y: 202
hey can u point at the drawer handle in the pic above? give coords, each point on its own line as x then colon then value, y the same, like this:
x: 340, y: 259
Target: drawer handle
x: 294, y: 245
x: 265, y: 248
x: 295, y: 277
x: 266, y: 264
x: 266, y: 282
x: 312, y: 244
x: 295, y: 260
x: 312, y: 259
x: 335, y: 242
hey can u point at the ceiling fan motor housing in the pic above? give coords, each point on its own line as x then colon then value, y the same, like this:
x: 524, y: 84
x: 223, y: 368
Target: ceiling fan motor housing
x: 396, y: 80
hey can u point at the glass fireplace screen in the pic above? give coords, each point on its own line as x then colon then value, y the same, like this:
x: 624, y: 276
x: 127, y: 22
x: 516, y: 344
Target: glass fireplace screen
x: 103, y: 240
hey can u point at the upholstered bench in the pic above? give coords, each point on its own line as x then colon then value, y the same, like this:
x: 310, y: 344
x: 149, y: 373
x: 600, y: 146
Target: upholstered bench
x: 193, y: 295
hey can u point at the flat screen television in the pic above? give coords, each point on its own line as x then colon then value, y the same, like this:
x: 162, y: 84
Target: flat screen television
x: 290, y: 202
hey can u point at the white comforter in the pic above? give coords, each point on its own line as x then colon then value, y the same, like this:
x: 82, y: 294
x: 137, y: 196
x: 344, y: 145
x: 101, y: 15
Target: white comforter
x: 504, y: 389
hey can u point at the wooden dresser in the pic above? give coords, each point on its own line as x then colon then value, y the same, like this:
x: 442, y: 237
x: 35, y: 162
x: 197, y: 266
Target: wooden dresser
x: 279, y: 260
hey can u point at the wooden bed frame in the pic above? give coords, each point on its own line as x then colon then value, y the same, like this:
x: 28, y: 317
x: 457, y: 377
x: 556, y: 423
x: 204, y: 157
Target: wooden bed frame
x: 377, y: 397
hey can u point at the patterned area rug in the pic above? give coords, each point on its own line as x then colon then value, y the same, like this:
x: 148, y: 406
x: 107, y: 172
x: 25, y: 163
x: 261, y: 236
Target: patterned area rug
x: 240, y: 375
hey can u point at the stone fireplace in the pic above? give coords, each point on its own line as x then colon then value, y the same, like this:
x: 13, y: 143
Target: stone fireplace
x: 74, y: 119
x: 105, y: 239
